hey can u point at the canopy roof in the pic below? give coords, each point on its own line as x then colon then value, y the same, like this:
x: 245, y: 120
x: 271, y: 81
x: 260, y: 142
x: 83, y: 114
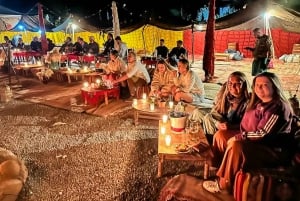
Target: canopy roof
x: 246, y: 18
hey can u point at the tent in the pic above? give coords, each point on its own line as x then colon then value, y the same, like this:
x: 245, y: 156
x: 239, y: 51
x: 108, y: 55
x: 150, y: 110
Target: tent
x: 282, y: 25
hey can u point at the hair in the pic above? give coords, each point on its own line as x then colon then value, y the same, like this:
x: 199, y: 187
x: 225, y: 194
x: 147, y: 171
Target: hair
x: 256, y: 30
x: 161, y: 61
x: 221, y: 99
x: 115, y: 53
x: 118, y: 38
x: 110, y: 34
x: 162, y: 40
x: 132, y: 53
x: 179, y: 41
x: 278, y: 91
x: 186, y: 62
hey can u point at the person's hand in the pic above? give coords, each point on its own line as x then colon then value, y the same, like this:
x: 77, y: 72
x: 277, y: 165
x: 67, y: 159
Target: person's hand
x: 222, y: 126
x: 267, y: 61
x: 231, y: 140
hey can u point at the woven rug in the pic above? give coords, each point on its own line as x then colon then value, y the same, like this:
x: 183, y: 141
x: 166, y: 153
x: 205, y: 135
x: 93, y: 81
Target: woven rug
x: 60, y: 95
x: 189, y: 188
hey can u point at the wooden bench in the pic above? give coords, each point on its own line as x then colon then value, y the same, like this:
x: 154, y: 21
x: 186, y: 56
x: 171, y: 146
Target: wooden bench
x: 221, y: 57
x: 296, y: 49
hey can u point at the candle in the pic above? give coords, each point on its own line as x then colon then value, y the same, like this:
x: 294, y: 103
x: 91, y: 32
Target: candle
x: 98, y: 81
x: 134, y: 102
x: 144, y: 96
x: 168, y: 140
x: 39, y: 63
x: 163, y: 130
x: 85, y: 84
x: 171, y: 104
x: 165, y: 118
x: 152, y: 106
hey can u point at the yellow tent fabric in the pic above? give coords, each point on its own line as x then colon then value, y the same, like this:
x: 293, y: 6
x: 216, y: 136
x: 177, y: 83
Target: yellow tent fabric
x: 144, y: 38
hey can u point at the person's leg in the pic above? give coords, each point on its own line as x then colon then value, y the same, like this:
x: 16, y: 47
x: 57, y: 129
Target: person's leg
x: 134, y: 83
x: 255, y: 67
x: 243, y: 155
x: 182, y: 96
x: 220, y: 144
x: 131, y: 86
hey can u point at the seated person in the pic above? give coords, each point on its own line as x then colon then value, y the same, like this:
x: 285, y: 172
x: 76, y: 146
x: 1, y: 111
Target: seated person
x: 108, y: 45
x: 121, y: 47
x: 77, y: 48
x: 7, y: 42
x: 20, y: 44
x: 188, y: 85
x: 161, y: 51
x: 93, y: 46
x: 230, y: 103
x: 54, y: 59
x: 36, y: 44
x: 67, y: 47
x: 264, y: 140
x: 136, y: 75
x: 226, y: 115
x: 50, y: 43
x: 163, y: 80
x: 115, y: 66
x: 177, y: 53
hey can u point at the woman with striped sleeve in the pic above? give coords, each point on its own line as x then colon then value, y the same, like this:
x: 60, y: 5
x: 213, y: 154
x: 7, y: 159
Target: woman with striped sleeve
x: 264, y: 140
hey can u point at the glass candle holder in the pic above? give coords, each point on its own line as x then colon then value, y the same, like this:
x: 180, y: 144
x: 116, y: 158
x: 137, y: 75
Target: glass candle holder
x: 144, y: 96
x: 162, y: 130
x: 164, y: 118
x: 134, y: 102
x: 168, y: 140
x: 171, y: 104
x: 152, y: 107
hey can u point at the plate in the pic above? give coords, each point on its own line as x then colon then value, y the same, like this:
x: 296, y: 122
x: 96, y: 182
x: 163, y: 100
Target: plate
x: 183, y: 148
x: 184, y: 152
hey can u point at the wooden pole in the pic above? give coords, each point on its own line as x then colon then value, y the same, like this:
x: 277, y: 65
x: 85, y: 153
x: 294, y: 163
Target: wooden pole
x: 43, y: 30
x: 208, y: 56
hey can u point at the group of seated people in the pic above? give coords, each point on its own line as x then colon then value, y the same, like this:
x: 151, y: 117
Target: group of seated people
x: 35, y: 44
x: 249, y: 128
x: 81, y: 47
x: 183, y: 84
x: 172, y: 56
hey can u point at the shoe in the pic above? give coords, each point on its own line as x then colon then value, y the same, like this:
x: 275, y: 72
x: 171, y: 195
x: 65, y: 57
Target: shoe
x: 211, y: 186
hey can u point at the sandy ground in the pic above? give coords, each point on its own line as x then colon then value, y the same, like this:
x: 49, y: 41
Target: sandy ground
x: 77, y: 157
x: 72, y: 156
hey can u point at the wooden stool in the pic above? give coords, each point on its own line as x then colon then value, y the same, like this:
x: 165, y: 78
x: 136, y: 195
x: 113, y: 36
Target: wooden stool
x: 142, y: 89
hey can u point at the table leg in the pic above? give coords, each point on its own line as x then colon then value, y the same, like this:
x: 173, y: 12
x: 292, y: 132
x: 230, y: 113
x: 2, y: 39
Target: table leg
x: 69, y: 78
x: 135, y: 117
x: 206, y: 170
x: 106, y: 98
x: 160, y: 165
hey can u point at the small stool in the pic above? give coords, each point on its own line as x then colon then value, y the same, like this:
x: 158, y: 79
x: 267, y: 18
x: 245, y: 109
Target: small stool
x: 142, y: 89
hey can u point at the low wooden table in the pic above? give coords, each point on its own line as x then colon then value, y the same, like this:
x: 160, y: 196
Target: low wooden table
x: 169, y: 152
x: 92, y: 96
x: 91, y: 77
x: 142, y: 111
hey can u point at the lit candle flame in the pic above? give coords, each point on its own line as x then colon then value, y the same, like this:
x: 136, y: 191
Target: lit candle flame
x: 85, y: 84
x: 165, y: 118
x: 168, y: 140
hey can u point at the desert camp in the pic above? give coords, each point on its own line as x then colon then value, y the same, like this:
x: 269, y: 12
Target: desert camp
x: 104, y: 123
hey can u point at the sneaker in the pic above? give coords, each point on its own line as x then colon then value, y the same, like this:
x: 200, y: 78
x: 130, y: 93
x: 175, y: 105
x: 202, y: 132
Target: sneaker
x: 211, y: 186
